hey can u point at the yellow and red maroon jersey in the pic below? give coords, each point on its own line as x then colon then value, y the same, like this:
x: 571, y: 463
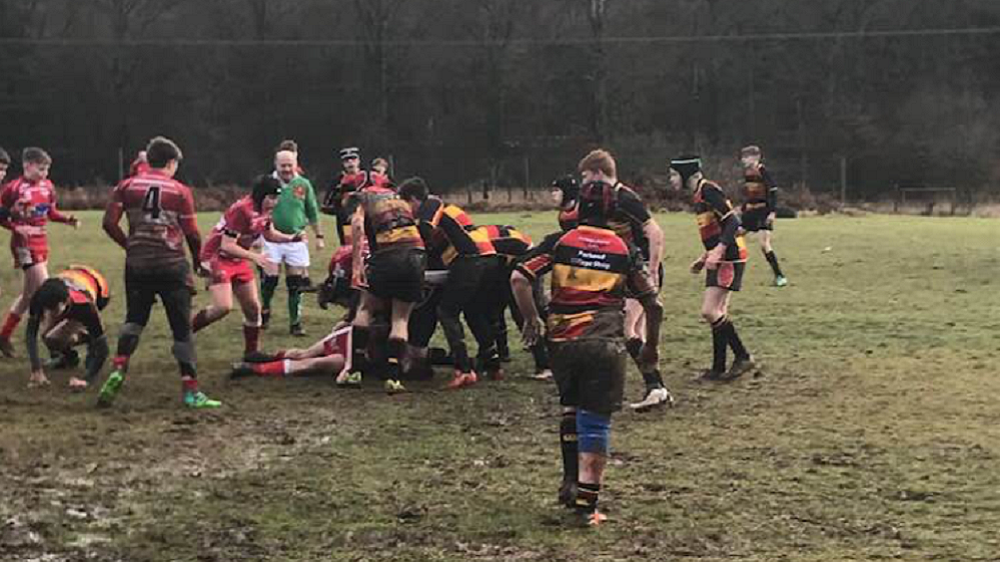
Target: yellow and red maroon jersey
x: 389, y: 221
x: 759, y: 190
x: 449, y: 232
x: 712, y: 208
x: 240, y: 221
x: 160, y: 211
x: 30, y: 203
x: 591, y: 268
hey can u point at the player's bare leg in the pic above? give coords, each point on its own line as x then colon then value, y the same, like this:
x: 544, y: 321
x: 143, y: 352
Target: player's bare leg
x: 246, y: 294
x: 222, y: 304
x: 362, y: 328
x: 34, y: 276
x: 398, y: 345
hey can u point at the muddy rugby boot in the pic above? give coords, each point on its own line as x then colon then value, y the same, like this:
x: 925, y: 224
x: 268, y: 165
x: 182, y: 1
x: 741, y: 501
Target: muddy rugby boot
x: 110, y: 388
x: 741, y: 367
x: 197, y: 400
x: 655, y: 398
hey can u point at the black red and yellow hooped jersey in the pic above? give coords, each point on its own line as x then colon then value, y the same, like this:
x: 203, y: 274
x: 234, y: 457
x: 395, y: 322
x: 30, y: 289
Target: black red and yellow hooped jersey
x: 759, y: 190
x: 712, y: 208
x: 509, y: 242
x: 86, y: 285
x: 341, y: 202
x: 389, y: 221
x: 592, y: 269
x: 449, y: 232
x: 628, y: 219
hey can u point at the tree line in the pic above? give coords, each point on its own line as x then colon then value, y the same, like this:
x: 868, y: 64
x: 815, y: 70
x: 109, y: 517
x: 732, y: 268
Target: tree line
x: 511, y: 92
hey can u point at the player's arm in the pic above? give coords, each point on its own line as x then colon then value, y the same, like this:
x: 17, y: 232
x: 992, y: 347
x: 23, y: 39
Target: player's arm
x: 189, y: 226
x: 357, y: 240
x: 729, y: 221
x: 97, y: 348
x: 331, y: 201
x: 112, y: 220
x: 230, y: 246
x: 312, y: 215
x: 31, y: 343
x: 533, y: 265
x: 772, y: 193
x: 654, y: 234
x: 55, y: 215
x: 7, y: 199
x: 272, y: 234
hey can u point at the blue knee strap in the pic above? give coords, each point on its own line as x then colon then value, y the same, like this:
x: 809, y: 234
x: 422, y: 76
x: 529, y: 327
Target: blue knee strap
x: 593, y: 432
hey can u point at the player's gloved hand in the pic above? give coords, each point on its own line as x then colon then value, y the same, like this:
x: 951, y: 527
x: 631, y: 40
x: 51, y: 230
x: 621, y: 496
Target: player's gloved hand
x: 532, y: 331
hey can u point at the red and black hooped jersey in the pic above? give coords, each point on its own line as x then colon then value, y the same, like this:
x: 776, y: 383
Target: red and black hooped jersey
x: 389, y: 221
x: 449, y: 232
x: 569, y: 218
x: 759, y: 190
x: 591, y: 270
x: 240, y: 221
x: 711, y: 208
x: 628, y: 220
x: 159, y: 210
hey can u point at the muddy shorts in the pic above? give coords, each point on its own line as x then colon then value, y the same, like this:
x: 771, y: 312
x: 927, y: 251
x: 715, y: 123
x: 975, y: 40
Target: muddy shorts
x: 397, y: 274
x: 590, y: 374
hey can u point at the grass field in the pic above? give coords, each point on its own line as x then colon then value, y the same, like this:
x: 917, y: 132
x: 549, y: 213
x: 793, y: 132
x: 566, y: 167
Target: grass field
x: 873, y: 432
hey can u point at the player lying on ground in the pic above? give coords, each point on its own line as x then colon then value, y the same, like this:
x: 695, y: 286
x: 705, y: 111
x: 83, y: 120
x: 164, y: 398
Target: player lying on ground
x: 28, y: 204
x: 724, y: 261
x: 226, y: 258
x: 591, y: 269
x: 330, y: 355
x: 66, y: 310
x: 759, y: 206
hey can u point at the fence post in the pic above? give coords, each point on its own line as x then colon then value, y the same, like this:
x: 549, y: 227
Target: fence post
x: 121, y: 164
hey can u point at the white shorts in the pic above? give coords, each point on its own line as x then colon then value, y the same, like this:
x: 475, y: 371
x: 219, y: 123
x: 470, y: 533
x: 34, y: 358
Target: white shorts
x: 293, y: 254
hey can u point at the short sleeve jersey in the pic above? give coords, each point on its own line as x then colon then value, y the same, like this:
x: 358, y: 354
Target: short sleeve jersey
x: 156, y: 207
x: 241, y: 222
x: 592, y: 268
x: 389, y: 221
x: 30, y: 203
x: 711, y: 208
x: 449, y: 232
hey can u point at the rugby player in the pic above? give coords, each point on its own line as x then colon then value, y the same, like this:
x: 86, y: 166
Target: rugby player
x: 391, y: 281
x: 296, y: 208
x: 724, y: 261
x: 592, y: 268
x: 631, y: 220
x: 226, y: 256
x: 66, y: 310
x: 337, y: 201
x: 161, y: 218
x: 451, y: 238
x: 330, y: 355
x: 29, y: 203
x: 759, y: 206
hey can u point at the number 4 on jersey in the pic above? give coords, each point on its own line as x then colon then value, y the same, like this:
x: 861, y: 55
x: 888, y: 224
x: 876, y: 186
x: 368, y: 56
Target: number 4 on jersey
x: 151, y: 202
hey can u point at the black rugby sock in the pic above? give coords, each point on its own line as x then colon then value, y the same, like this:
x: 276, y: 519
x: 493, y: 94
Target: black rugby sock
x: 773, y: 260
x: 719, y: 343
x: 734, y: 341
x: 568, y: 443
